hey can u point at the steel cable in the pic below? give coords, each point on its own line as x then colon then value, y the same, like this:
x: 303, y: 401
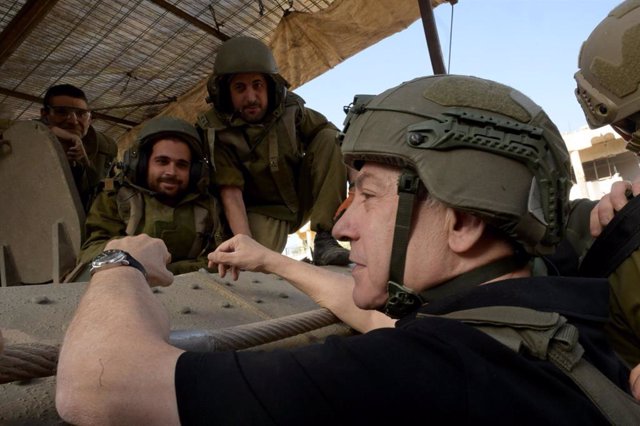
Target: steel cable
x: 33, y: 360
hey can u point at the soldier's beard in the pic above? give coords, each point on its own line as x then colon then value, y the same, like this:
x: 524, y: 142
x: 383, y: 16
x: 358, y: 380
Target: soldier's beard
x: 253, y: 117
x: 169, y: 198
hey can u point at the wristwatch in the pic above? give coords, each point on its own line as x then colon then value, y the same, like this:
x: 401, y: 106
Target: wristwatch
x: 113, y: 258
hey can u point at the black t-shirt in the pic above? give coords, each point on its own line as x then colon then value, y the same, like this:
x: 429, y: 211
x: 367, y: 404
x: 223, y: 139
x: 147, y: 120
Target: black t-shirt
x: 432, y: 368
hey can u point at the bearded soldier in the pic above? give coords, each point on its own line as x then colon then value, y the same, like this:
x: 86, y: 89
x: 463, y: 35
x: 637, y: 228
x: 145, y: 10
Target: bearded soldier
x: 162, y: 191
x: 277, y: 162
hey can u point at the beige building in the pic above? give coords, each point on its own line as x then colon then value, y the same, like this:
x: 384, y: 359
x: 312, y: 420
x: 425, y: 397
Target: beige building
x: 599, y: 157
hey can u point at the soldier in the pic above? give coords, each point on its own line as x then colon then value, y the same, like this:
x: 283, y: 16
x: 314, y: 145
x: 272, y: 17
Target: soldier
x: 477, y: 341
x: 608, y: 91
x: 277, y: 163
x: 90, y: 153
x: 162, y: 190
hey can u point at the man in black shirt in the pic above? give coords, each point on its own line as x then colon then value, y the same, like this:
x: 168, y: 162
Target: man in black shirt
x: 460, y: 181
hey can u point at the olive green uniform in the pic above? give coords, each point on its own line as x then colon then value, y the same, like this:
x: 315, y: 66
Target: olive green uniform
x: 607, y: 82
x: 289, y: 168
x: 191, y: 229
x: 101, y: 151
x: 623, y: 328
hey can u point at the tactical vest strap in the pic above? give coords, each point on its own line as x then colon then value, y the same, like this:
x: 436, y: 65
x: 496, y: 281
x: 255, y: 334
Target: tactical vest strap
x: 548, y: 336
x: 200, y: 215
x: 130, y: 208
x: 211, y: 141
x: 205, y: 120
x: 620, y: 238
x: 282, y: 175
x: 217, y: 235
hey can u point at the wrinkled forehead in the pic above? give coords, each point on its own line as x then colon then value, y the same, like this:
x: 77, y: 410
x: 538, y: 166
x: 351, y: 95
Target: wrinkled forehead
x: 378, y: 175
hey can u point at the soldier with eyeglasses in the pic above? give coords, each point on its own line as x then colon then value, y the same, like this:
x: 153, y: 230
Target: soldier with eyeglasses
x: 90, y: 153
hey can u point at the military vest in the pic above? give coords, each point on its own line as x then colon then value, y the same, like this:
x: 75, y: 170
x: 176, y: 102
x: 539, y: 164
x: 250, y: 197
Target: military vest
x: 208, y: 228
x: 282, y: 126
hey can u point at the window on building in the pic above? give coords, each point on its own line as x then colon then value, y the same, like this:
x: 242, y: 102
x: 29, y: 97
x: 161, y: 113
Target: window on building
x: 626, y: 164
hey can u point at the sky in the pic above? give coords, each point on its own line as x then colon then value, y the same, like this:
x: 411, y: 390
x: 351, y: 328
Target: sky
x: 531, y: 45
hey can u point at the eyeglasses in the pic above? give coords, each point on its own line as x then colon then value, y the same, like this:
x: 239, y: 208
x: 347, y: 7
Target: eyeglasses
x: 65, y: 112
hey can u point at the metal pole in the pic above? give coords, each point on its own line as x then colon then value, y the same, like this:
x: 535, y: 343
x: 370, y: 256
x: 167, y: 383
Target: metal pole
x: 431, y: 34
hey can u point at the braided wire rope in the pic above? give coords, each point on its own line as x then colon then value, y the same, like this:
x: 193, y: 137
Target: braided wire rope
x: 34, y: 360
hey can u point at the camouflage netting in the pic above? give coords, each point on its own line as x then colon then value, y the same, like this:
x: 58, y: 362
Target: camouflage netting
x: 306, y: 45
x: 135, y: 60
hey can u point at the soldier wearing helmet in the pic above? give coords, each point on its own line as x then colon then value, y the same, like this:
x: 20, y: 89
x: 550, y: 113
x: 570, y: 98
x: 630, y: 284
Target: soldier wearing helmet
x: 162, y: 191
x: 608, y: 78
x: 278, y: 164
x: 608, y: 90
x: 460, y: 181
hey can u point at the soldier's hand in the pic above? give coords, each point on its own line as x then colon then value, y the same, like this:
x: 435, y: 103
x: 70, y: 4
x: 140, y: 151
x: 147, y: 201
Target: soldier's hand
x: 72, y: 145
x: 611, y: 203
x: 77, y: 152
x: 240, y: 253
x: 151, y: 252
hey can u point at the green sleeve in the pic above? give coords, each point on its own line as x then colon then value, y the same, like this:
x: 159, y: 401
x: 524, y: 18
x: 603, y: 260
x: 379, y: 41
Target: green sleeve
x: 623, y: 328
x: 103, y: 224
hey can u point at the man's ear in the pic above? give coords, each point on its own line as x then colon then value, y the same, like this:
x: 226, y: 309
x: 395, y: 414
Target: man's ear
x: 464, y: 230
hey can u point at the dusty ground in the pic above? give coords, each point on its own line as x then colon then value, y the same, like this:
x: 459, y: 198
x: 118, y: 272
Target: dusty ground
x: 196, y: 301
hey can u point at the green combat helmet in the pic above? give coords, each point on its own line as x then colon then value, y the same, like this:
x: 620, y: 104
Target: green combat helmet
x: 241, y: 55
x: 135, y: 159
x: 477, y: 146
x: 609, y: 73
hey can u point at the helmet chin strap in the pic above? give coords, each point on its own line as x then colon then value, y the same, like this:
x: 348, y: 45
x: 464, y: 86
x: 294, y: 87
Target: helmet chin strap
x: 402, y: 300
x: 633, y: 144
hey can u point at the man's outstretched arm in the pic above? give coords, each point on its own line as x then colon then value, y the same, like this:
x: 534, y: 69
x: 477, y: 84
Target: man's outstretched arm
x: 115, y: 365
x: 331, y: 290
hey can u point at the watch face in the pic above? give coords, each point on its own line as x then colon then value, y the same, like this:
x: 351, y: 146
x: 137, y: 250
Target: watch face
x: 112, y: 258
x: 108, y: 256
